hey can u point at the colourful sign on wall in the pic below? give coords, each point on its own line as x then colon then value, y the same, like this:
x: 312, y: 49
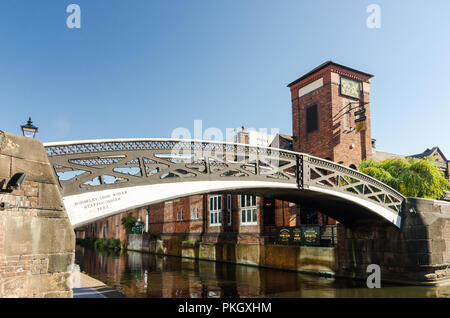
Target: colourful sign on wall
x: 284, y: 235
x: 310, y: 235
x: 301, y: 235
x: 137, y: 228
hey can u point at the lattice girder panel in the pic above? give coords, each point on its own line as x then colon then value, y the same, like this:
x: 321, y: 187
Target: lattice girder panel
x: 329, y: 175
x: 165, y: 161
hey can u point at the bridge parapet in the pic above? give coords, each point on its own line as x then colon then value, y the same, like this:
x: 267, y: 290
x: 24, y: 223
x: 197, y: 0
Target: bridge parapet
x: 94, y: 165
x: 329, y: 175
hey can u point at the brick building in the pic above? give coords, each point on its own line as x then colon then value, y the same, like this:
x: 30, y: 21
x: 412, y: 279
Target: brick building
x: 210, y: 218
x: 323, y: 122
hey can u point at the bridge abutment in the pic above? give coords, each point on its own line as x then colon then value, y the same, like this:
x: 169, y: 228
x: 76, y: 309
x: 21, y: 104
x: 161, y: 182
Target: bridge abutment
x: 417, y: 253
x: 37, y: 242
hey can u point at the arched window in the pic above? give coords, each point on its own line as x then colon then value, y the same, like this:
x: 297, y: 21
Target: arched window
x: 353, y: 166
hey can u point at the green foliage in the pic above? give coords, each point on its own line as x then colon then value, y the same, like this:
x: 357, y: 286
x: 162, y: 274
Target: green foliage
x: 128, y: 222
x: 411, y: 177
x: 87, y: 242
x: 114, y: 244
x: 102, y: 243
x: 99, y: 244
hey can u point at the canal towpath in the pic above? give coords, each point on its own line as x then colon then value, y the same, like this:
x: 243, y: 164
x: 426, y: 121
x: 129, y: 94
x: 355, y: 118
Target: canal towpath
x: 92, y: 288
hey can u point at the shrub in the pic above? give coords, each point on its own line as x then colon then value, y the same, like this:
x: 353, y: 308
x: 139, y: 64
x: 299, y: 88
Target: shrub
x: 87, y: 242
x: 128, y: 222
x: 99, y: 244
x: 107, y: 243
x: 102, y: 243
x: 114, y: 244
x: 411, y: 177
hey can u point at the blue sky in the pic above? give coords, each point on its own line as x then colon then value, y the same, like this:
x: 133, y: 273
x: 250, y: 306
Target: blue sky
x: 142, y: 68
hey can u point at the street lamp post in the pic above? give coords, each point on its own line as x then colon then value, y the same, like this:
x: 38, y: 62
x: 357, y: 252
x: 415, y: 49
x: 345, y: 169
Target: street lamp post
x: 29, y: 130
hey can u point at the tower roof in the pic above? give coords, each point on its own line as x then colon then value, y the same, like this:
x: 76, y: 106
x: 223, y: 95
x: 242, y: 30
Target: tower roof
x: 318, y: 68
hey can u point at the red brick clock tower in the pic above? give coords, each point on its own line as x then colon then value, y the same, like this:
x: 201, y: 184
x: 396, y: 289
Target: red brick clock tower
x: 331, y: 114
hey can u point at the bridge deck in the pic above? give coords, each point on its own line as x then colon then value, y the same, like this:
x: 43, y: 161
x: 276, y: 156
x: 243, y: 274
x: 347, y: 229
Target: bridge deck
x: 100, y: 166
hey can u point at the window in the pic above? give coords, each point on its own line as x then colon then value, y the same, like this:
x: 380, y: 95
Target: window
x: 312, y: 119
x: 228, y: 209
x: 248, y: 210
x: 180, y: 215
x: 194, y: 214
x: 215, y: 210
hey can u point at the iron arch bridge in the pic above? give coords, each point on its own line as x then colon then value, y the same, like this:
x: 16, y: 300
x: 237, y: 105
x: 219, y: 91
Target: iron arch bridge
x: 99, y: 178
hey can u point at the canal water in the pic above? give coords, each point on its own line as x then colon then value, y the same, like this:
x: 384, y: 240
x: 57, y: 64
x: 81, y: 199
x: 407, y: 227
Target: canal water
x: 145, y: 275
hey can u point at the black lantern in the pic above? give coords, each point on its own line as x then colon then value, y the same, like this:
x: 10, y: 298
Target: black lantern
x: 29, y: 130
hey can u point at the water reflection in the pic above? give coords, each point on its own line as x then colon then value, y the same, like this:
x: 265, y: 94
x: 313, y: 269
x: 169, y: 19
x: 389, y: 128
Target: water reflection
x: 144, y: 275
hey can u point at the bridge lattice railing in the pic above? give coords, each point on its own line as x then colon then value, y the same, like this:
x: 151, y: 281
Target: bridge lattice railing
x: 329, y: 175
x: 85, y: 166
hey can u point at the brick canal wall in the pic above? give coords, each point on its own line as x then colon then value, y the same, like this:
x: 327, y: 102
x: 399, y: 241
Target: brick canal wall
x: 317, y: 260
x: 37, y: 242
x: 417, y: 253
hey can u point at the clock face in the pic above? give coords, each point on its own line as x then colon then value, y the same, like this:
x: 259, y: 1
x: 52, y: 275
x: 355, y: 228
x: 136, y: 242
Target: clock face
x: 350, y: 87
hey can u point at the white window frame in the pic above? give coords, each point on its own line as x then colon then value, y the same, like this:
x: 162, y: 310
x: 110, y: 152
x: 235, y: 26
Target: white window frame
x: 248, y: 210
x: 194, y: 213
x: 180, y: 215
x: 215, y: 210
x: 229, y: 210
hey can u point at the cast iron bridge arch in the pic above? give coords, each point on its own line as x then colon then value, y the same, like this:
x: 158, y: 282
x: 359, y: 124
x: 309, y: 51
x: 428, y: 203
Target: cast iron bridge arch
x: 99, y: 178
